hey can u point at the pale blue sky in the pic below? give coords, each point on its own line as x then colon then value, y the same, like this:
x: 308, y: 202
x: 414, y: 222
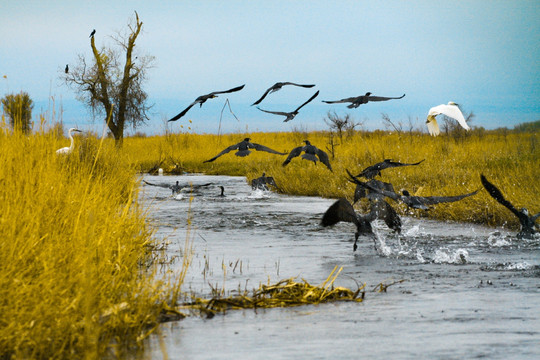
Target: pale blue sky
x: 480, y: 54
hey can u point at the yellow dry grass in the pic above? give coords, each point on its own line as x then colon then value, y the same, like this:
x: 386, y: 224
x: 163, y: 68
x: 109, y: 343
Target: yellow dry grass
x: 452, y: 166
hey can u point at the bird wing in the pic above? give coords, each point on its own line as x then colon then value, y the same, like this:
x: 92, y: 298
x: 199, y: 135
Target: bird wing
x: 311, y: 98
x: 294, y: 153
x: 453, y: 112
x: 390, y: 164
x: 167, y: 186
x: 351, y: 99
x: 341, y: 210
x: 323, y: 157
x: 270, y: 180
x: 275, y: 112
x: 225, y: 151
x: 384, y: 192
x: 432, y: 200
x: 238, y: 88
x: 382, y: 210
x: 260, y: 147
x: 497, y: 195
x: 295, y: 84
x: 183, y: 112
x: 382, y: 98
x: 262, y: 97
x: 432, y: 125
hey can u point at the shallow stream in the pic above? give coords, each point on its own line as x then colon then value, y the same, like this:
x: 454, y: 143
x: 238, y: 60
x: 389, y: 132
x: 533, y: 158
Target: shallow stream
x: 469, y: 291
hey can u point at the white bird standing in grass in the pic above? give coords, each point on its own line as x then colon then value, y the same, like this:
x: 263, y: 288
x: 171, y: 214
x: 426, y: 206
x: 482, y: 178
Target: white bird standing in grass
x: 450, y: 110
x: 68, y: 150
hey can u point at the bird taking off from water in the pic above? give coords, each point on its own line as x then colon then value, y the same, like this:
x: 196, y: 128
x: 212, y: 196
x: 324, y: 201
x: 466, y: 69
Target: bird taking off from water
x: 415, y: 202
x: 371, y: 171
x: 290, y: 115
x: 176, y: 188
x: 261, y: 183
x: 277, y: 86
x: 363, y: 99
x: 92, y: 33
x: 528, y: 222
x: 451, y: 110
x: 342, y: 210
x: 243, y: 149
x: 68, y: 149
x: 311, y: 153
x: 202, y: 99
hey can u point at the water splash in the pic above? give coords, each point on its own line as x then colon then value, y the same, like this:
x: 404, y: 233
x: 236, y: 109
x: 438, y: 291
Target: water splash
x: 460, y: 256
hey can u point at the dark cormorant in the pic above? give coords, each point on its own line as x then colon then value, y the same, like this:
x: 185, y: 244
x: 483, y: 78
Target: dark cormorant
x: 262, y: 182
x: 243, y: 149
x: 277, y: 86
x: 290, y: 115
x: 363, y: 99
x: 312, y: 153
x: 176, y: 188
x: 92, y: 33
x: 528, y: 222
x: 202, y: 99
x: 66, y: 70
x: 371, y: 171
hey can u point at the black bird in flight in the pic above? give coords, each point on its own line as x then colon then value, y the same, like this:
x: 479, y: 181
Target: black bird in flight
x: 371, y: 171
x: 342, y: 210
x: 311, y: 153
x: 66, y: 69
x: 415, y: 202
x: 363, y: 99
x: 243, y: 149
x: 92, y: 33
x: 361, y: 192
x: 290, y: 115
x: 528, y: 222
x: 202, y: 99
x: 277, y: 86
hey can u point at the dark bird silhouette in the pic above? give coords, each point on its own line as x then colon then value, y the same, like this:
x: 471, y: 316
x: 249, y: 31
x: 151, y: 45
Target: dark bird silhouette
x: 262, y: 183
x: 363, y: 99
x: 243, y: 149
x: 371, y: 171
x: 222, y: 194
x: 66, y: 69
x: 290, y: 115
x: 342, y: 210
x: 311, y: 153
x: 528, y: 222
x: 277, y: 86
x: 415, y: 202
x: 176, y: 188
x: 202, y: 99
x: 92, y: 33
x: 362, y: 192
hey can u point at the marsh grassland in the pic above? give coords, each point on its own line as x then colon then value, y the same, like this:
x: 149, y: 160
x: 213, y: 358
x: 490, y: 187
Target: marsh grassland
x: 78, y: 274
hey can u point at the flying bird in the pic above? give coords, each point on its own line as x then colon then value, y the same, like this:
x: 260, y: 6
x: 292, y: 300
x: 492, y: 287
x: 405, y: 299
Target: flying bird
x: 176, y: 188
x: 290, y: 115
x: 371, y: 171
x: 277, y: 86
x: 361, y: 192
x: 415, y: 202
x: 311, y: 153
x: 342, y: 210
x: 261, y: 183
x: 451, y: 110
x: 68, y: 149
x: 92, y: 33
x: 202, y: 99
x: 243, y: 149
x: 66, y: 69
x: 362, y: 99
x: 528, y: 222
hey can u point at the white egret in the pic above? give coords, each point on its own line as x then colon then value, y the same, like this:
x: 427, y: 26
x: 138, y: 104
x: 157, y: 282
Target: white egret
x: 68, y: 150
x: 451, y: 110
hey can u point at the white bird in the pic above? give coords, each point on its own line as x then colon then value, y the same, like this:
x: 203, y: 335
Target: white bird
x: 68, y: 150
x: 450, y: 110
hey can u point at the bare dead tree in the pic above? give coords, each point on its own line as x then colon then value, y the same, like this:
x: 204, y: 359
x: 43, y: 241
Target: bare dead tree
x: 107, y: 86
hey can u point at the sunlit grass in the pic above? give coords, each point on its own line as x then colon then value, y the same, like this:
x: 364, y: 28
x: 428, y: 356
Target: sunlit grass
x: 76, y: 268
x: 452, y: 166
